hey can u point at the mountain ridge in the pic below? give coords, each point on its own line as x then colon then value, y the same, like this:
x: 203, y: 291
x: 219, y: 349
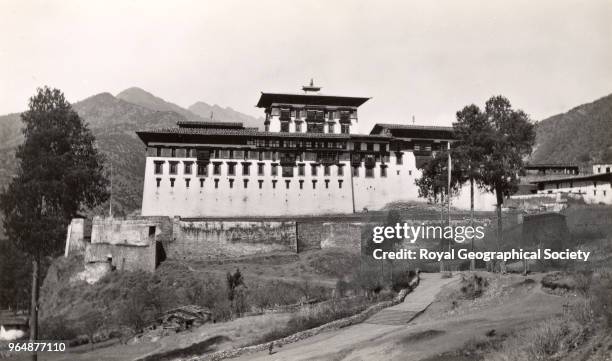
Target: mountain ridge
x: 582, y: 135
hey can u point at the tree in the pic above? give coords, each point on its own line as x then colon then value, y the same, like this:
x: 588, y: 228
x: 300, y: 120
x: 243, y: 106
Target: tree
x: 434, y: 179
x: 513, y: 136
x: 235, y: 290
x: 59, y: 173
x: 474, y: 136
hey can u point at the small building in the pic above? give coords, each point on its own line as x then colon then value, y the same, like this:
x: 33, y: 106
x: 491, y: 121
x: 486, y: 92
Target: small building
x: 543, y: 169
x: 601, y: 168
x: 594, y: 188
x: 11, y: 320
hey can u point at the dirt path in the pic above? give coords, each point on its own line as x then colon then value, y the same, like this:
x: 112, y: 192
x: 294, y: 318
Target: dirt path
x: 424, y: 337
x: 414, y: 304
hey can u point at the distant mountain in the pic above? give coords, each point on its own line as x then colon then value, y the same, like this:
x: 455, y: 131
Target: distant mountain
x: 583, y: 135
x: 226, y: 115
x: 147, y: 100
x: 200, y: 111
x: 114, y: 120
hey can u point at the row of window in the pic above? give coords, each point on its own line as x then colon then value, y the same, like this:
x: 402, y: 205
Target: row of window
x: 312, y: 127
x: 245, y: 183
x: 287, y: 170
x: 313, y: 114
x: 269, y: 143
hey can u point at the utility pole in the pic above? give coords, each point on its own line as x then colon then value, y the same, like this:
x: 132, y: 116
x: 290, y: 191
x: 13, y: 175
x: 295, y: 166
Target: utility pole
x: 352, y: 187
x: 110, y: 199
x: 448, y: 196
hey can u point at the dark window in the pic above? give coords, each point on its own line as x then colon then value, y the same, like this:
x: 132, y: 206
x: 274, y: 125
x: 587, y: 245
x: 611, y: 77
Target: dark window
x: 260, y: 169
x: 355, y: 171
x: 285, y: 114
x: 274, y: 183
x: 246, y: 183
x: 327, y: 184
x: 217, y: 168
x: 202, y: 182
x: 314, y: 127
x: 314, y: 184
x: 340, y: 183
x: 298, y: 127
x: 369, y: 172
x: 287, y: 171
x: 173, y: 152
x: 158, y: 151
x: 246, y: 168
x: 274, y: 169
x: 284, y: 127
x: 345, y: 128
x: 158, y: 181
x: 216, y: 183
x: 370, y: 147
x: 399, y: 158
x: 159, y: 167
x: 267, y: 127
x: 203, y: 169
x: 171, y: 182
x: 187, y: 166
x: 330, y: 128
x: 301, y: 170
x: 326, y: 171
x: 173, y: 167
x: 607, y: 169
x: 340, y: 171
x: 383, y: 171
x: 313, y: 170
x: 260, y: 181
x: 410, y: 172
x: 187, y: 182
x: 301, y: 184
x: 287, y: 182
x: 231, y: 183
x: 231, y: 168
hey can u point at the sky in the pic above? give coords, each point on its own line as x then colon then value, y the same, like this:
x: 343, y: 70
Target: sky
x: 421, y: 59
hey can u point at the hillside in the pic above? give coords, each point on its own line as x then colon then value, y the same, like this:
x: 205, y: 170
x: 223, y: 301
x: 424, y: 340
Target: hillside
x: 582, y: 135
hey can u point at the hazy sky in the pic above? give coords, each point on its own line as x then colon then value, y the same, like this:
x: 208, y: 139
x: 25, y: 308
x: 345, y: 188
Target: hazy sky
x: 421, y: 58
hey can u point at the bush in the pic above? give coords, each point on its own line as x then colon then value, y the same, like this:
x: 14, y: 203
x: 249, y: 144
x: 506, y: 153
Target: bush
x: 402, y: 280
x: 57, y: 329
x: 473, y: 286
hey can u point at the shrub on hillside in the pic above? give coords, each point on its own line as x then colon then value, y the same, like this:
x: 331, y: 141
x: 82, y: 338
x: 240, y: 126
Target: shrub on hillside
x: 57, y: 328
x: 402, y: 280
x: 473, y: 286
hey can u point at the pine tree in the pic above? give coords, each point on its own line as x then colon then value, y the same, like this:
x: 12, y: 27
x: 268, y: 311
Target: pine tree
x: 59, y: 173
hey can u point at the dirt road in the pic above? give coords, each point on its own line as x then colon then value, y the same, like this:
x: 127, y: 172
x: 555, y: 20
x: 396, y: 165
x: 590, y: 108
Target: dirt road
x: 427, y: 336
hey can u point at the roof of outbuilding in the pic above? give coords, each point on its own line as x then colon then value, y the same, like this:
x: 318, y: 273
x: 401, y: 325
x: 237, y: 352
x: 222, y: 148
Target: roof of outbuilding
x: 208, y: 124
